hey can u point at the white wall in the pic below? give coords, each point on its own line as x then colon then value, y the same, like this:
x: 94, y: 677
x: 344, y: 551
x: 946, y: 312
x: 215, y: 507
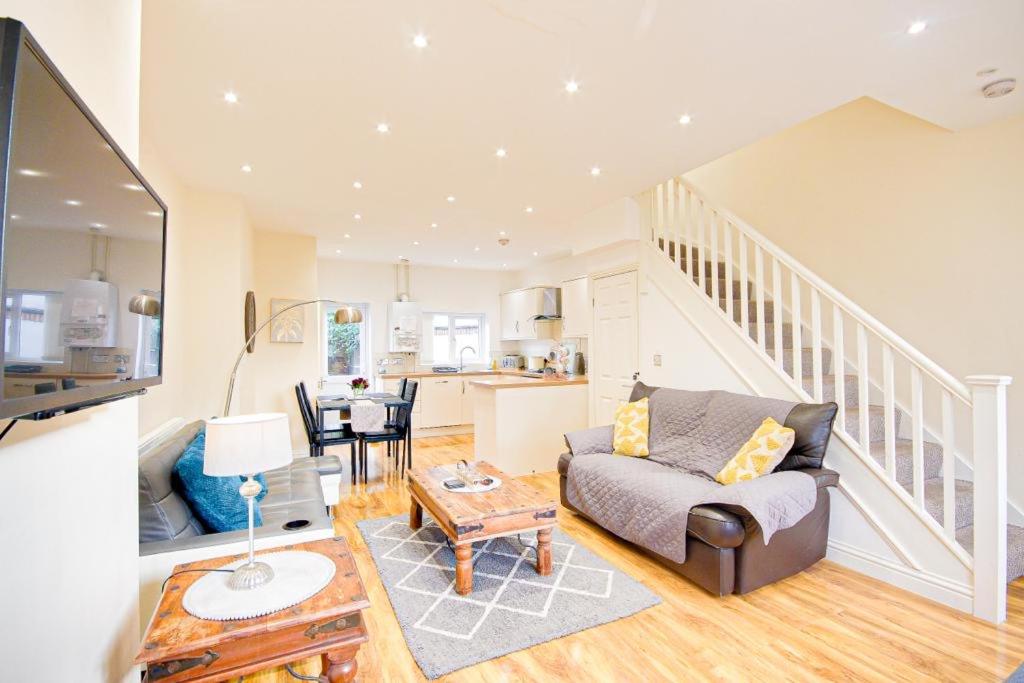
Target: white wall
x: 68, y: 486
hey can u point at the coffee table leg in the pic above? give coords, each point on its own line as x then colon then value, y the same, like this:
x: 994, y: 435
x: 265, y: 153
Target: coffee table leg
x: 464, y: 569
x: 415, y: 515
x: 340, y: 665
x: 544, y: 552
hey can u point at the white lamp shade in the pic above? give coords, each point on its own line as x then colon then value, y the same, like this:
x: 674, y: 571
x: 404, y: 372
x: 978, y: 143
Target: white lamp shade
x: 247, y: 444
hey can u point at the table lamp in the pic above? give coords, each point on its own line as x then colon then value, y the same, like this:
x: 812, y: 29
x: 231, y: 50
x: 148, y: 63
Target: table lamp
x: 245, y: 445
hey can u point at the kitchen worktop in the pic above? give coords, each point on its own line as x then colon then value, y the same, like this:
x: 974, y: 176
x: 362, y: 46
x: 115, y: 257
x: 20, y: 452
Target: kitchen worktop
x: 520, y: 381
x: 504, y: 372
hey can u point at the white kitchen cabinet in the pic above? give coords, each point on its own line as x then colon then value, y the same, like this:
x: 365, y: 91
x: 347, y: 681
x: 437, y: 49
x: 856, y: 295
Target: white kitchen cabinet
x: 520, y: 308
x: 441, y: 402
x: 576, y: 311
x: 467, y: 401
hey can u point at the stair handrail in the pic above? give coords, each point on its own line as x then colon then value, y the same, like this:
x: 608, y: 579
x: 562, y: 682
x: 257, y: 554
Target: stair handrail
x: 955, y: 386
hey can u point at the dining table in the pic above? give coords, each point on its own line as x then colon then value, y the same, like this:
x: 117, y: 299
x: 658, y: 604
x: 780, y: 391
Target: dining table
x: 342, y: 403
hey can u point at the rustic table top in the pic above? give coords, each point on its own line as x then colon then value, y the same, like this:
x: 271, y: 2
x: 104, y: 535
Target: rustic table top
x: 174, y: 632
x: 512, y: 497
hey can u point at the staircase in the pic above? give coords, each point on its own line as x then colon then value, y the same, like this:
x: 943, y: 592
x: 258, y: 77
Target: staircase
x: 910, y: 431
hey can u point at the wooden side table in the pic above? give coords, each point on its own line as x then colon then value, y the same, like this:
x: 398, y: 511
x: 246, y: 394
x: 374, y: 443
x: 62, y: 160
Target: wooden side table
x: 179, y: 647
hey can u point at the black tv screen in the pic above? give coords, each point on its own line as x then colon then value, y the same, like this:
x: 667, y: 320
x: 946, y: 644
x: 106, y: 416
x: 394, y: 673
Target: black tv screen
x: 82, y: 236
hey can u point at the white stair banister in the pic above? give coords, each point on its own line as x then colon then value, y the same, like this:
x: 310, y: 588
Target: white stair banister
x: 988, y: 397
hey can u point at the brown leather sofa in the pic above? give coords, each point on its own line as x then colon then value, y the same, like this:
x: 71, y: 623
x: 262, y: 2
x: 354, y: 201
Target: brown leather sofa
x: 725, y: 551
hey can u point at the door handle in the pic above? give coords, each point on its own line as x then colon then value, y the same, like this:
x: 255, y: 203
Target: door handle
x: 636, y: 376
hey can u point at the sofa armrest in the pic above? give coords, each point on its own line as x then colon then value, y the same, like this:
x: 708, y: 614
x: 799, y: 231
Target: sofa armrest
x: 592, y: 440
x: 822, y: 477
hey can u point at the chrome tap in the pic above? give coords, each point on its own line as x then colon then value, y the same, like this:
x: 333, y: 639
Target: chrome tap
x: 462, y: 351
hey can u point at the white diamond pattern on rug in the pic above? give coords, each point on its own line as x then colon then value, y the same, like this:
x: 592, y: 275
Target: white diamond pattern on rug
x: 511, y: 605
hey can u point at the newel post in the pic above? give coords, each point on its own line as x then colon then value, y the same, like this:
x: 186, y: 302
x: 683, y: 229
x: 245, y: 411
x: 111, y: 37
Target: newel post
x: 988, y: 398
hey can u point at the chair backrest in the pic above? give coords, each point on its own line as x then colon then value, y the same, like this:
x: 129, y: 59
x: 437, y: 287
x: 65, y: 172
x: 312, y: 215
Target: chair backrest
x: 402, y: 384
x: 405, y: 412
x: 304, y: 410
x: 408, y: 392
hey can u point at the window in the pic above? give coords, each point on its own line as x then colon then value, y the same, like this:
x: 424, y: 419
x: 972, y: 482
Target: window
x: 147, y: 360
x: 445, y: 334
x: 32, y: 326
x: 347, y: 345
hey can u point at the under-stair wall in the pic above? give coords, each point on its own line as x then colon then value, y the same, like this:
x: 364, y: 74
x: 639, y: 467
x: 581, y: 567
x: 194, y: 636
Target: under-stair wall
x: 903, y: 514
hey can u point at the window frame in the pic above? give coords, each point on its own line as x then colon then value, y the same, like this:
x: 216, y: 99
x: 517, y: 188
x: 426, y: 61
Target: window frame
x: 482, y: 349
x: 365, y: 355
x: 12, y: 340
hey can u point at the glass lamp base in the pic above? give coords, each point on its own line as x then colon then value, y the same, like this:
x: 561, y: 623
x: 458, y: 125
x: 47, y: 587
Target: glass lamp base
x: 250, y: 576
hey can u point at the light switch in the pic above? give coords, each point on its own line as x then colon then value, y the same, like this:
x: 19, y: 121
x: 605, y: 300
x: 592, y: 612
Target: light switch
x: 657, y: 360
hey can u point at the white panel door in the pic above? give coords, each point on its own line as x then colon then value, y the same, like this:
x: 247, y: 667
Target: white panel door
x: 614, y: 343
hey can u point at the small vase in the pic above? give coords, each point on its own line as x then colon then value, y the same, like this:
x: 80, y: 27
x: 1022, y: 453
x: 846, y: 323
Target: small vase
x: 358, y: 391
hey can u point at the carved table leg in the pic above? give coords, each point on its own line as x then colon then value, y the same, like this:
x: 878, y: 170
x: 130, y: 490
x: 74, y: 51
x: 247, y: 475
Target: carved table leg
x: 544, y: 552
x: 464, y: 569
x: 415, y: 515
x: 340, y: 665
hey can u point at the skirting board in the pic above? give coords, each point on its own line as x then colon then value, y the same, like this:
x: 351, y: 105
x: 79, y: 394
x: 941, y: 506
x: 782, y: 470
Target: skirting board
x: 956, y: 595
x: 419, y: 433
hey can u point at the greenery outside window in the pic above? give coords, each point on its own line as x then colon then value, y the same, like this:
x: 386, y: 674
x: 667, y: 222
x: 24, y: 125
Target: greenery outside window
x: 347, y: 346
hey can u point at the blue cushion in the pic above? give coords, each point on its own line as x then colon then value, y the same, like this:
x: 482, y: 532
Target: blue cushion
x: 215, y: 501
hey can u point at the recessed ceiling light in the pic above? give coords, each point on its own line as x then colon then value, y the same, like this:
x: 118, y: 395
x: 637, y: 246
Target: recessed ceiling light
x: 357, y: 216
x: 358, y: 185
x: 133, y: 187
x: 348, y: 236
x: 685, y: 119
x: 401, y: 258
x: 337, y: 251
x: 455, y: 260
x: 433, y: 225
x: 98, y: 226
x: 917, y: 27
x: 246, y: 168
x: 155, y: 214
x: 529, y: 209
x: 476, y: 248
x: 451, y: 199
x: 572, y: 86
x: 31, y: 172
x: 230, y: 97
x: 501, y: 153
x: 504, y: 265
x: 420, y: 41
x: 383, y: 127
x: 72, y: 202
x: 595, y: 171
x: 15, y: 217
x: 415, y: 243
x: 501, y: 232
x: 536, y: 253
x: 986, y: 72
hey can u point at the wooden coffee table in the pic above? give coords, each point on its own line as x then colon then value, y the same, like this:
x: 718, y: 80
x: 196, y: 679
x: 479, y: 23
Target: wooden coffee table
x: 179, y: 647
x: 512, y: 508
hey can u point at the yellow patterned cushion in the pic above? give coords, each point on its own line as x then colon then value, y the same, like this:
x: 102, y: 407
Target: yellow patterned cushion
x: 631, y: 424
x: 760, y: 455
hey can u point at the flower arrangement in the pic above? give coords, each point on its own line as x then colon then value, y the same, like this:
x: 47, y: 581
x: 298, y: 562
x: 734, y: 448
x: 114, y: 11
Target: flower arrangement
x: 359, y: 385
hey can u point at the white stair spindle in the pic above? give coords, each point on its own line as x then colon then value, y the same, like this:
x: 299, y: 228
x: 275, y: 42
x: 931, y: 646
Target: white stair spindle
x: 673, y: 203
x: 816, y: 365
x: 727, y: 245
x: 701, y: 242
x: 777, y: 297
x: 862, y: 390
x: 744, y: 287
x: 988, y: 420
x: 688, y: 232
x: 948, y: 466
x: 759, y: 293
x: 713, y: 227
x: 889, y: 410
x: 659, y: 237
x: 839, y: 364
x: 917, y: 432
x: 794, y: 307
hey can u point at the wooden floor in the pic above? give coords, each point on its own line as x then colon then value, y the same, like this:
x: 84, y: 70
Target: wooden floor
x: 828, y: 623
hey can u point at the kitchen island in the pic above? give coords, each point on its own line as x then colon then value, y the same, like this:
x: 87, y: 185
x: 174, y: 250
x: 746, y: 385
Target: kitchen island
x: 519, y: 422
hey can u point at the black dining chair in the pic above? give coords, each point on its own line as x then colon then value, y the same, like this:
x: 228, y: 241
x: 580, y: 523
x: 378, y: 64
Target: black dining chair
x: 408, y: 393
x: 394, y: 436
x: 334, y: 437
x: 402, y: 384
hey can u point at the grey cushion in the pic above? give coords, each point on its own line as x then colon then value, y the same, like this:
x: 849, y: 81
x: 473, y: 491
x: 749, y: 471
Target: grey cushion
x: 163, y: 514
x: 324, y: 464
x: 593, y: 440
x: 292, y: 487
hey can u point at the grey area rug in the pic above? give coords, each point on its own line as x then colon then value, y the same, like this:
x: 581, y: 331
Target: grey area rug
x: 1017, y: 676
x: 511, y: 606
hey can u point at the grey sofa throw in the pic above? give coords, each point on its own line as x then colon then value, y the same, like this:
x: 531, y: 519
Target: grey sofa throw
x: 693, y: 434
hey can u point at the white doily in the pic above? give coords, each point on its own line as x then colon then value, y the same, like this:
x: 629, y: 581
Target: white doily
x: 298, y: 575
x: 495, y: 483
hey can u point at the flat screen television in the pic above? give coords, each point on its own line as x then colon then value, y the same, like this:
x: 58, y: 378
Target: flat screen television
x: 82, y: 237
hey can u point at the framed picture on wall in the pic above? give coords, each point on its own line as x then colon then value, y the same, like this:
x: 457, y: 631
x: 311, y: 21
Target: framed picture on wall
x: 290, y: 327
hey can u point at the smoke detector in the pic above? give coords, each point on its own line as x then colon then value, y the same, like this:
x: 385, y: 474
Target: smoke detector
x: 999, y: 88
